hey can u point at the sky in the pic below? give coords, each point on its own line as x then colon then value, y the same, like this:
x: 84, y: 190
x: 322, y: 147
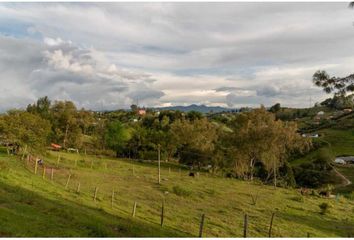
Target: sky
x: 110, y: 55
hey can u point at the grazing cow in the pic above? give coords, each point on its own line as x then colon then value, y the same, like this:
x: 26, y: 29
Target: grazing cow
x: 191, y: 174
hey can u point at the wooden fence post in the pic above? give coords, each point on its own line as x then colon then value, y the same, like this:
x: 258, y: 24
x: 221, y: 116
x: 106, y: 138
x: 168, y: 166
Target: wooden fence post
x: 78, y: 188
x: 201, y: 226
x: 52, y: 174
x: 162, y: 211
x: 35, y: 166
x: 308, y: 234
x: 24, y: 152
x: 91, y: 164
x: 67, y: 181
x: 159, y: 164
x: 112, y: 200
x: 75, y: 162
x: 245, y: 225
x: 133, y: 171
x: 169, y: 171
x: 271, y: 225
x: 134, y: 209
x: 95, y: 196
x: 43, y: 174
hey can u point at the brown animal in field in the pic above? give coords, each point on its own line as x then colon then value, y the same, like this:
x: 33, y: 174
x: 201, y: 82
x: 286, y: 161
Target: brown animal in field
x: 304, y: 191
x: 192, y: 174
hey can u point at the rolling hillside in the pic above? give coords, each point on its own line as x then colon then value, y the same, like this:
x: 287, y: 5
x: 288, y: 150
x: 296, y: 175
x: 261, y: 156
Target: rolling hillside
x: 33, y: 205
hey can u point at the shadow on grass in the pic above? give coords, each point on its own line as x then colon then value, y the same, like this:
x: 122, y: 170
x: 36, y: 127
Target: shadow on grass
x: 24, y: 213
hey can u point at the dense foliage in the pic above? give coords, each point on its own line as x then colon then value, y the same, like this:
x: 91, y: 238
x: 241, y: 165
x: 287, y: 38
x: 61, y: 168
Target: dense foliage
x: 247, y: 144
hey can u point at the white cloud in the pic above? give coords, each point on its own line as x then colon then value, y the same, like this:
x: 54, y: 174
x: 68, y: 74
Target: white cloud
x: 109, y: 55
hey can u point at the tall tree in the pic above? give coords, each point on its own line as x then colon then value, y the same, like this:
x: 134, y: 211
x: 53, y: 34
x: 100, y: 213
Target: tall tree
x: 116, y: 136
x: 25, y: 130
x: 258, y: 137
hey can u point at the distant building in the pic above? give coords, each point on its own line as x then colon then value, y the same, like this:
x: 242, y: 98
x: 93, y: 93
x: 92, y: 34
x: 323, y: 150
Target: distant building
x: 141, y: 112
x: 344, y: 160
x: 55, y: 147
x: 339, y: 161
x: 347, y: 110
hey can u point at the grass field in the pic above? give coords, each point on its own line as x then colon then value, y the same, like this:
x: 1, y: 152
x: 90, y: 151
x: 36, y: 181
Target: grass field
x: 33, y: 206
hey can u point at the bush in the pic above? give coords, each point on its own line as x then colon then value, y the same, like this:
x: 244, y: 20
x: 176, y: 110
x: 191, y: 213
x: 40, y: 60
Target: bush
x: 179, y: 191
x: 324, y: 208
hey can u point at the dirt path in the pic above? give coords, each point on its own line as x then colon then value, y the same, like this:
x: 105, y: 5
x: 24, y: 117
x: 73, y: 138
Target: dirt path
x: 346, y: 181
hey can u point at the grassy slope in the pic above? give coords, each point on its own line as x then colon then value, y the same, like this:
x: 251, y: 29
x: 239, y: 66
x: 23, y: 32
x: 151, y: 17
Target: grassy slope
x: 31, y: 206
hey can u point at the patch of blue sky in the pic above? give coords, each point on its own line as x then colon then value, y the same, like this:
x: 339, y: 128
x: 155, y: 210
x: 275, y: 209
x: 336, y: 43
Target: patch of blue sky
x: 11, y: 28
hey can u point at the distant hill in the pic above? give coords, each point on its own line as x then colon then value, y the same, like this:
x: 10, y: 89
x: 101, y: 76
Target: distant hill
x: 197, y: 108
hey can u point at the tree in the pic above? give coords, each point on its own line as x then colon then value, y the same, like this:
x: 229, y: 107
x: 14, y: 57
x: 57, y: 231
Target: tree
x: 340, y: 86
x: 275, y: 108
x: 116, y: 136
x: 42, y: 107
x: 65, y: 123
x: 258, y: 137
x: 25, y: 130
x: 195, y: 140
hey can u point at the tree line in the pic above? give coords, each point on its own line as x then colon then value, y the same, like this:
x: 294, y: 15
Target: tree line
x: 249, y: 144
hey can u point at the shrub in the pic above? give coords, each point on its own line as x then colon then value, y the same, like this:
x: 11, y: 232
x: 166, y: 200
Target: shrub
x: 179, y: 191
x: 324, y: 208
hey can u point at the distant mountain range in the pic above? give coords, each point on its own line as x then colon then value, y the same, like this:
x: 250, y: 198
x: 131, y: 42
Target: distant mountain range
x: 197, y: 108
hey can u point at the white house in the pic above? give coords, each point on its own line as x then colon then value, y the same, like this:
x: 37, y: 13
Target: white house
x: 339, y: 161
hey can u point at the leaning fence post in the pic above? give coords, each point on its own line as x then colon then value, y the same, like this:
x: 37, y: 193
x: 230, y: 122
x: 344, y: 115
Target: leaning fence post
x: 134, y: 209
x: 112, y: 200
x: 201, y: 226
x: 95, y: 196
x: 245, y: 225
x: 271, y: 225
x: 162, y: 211
x: 67, y: 181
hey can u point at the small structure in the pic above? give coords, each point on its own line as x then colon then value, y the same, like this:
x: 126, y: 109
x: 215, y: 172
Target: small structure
x: 339, y: 161
x: 344, y: 160
x: 347, y: 110
x: 320, y: 113
x: 141, y: 112
x: 73, y: 150
x: 55, y: 147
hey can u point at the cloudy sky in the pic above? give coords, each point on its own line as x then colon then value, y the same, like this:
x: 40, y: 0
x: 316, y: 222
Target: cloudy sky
x: 108, y: 56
